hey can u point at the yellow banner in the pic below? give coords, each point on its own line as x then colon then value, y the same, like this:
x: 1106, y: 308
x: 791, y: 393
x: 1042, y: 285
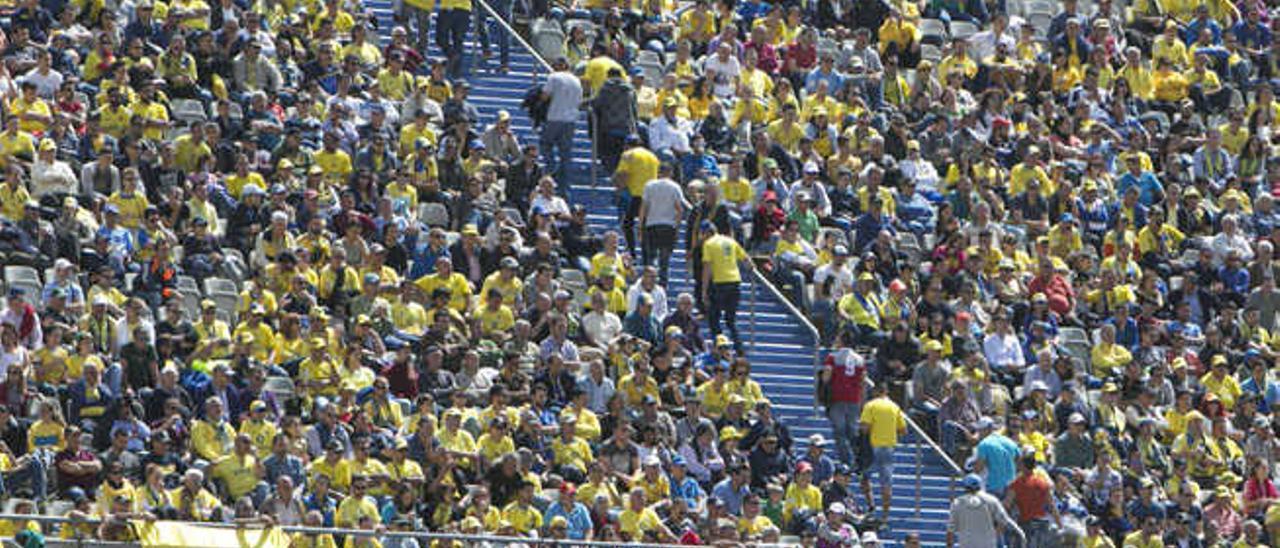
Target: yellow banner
x: 158, y: 534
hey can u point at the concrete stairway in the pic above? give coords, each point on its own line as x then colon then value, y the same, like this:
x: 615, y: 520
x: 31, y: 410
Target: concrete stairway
x: 781, y: 349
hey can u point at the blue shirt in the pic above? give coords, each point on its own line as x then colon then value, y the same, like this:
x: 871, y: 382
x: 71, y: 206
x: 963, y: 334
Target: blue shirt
x: 1270, y: 394
x: 732, y: 498
x: 1252, y: 36
x: 578, y: 517
x: 834, y: 80
x: 1149, y: 188
x: 1000, y: 454
x: 689, y: 490
x: 1236, y: 280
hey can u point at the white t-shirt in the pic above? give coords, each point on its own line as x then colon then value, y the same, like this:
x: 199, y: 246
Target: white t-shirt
x: 46, y: 84
x: 725, y: 77
x: 663, y: 201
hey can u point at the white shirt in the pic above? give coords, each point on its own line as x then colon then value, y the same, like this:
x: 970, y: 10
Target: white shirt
x: 51, y: 177
x: 601, y: 327
x: 1003, y: 351
x: 46, y: 84
x: 920, y: 171
x: 124, y: 335
x: 666, y: 134
x: 553, y: 206
x: 1224, y: 243
x: 659, y: 295
x: 843, y: 279
x: 724, y: 74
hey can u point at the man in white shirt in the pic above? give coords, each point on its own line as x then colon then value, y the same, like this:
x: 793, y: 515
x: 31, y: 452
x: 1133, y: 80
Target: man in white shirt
x: 546, y: 201
x: 1001, y: 347
x: 661, y: 210
x: 648, y: 285
x: 670, y: 132
x: 1231, y: 239
x: 916, y: 168
x: 838, y: 269
x: 564, y: 91
x: 723, y: 68
x: 46, y: 80
x: 599, y: 325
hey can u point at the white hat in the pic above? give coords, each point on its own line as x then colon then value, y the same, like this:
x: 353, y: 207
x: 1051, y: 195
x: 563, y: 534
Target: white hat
x: 652, y: 460
x: 837, y: 508
x: 870, y: 536
x: 817, y: 439
x: 61, y: 264
x: 100, y: 300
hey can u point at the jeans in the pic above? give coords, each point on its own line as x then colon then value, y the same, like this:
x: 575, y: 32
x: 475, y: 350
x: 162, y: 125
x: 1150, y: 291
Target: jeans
x: 724, y: 302
x: 451, y: 31
x: 844, y: 425
x: 659, y: 240
x: 423, y: 18
x: 952, y: 433
x: 795, y: 280
x: 557, y: 152
x: 629, y: 215
x: 500, y: 34
x: 35, y: 473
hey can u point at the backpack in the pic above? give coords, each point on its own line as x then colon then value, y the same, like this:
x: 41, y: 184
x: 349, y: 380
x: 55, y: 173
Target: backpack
x: 536, y: 105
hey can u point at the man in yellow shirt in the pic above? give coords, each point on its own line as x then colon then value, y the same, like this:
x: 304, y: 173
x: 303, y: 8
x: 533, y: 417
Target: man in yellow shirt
x: 723, y: 260
x: 636, y: 167
x: 521, y: 513
x: 356, y: 506
x: 32, y: 112
x: 1218, y: 381
x: 639, y: 519
x: 883, y: 421
x: 240, y: 471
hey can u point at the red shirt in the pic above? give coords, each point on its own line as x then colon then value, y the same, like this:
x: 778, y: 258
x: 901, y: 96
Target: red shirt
x: 1031, y: 494
x: 846, y: 386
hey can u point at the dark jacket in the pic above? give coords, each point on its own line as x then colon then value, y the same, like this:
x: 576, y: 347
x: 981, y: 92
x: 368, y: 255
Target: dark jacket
x: 615, y: 106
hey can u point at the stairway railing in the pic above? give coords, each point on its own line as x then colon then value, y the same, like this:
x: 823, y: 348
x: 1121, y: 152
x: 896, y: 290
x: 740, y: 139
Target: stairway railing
x: 760, y: 280
x: 506, y: 25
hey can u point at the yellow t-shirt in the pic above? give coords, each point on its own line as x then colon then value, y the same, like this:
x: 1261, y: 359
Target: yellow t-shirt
x: 884, y: 419
x: 639, y: 166
x: 722, y: 254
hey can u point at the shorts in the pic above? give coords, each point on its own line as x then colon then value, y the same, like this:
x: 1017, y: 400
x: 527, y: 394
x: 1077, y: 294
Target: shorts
x: 881, y: 464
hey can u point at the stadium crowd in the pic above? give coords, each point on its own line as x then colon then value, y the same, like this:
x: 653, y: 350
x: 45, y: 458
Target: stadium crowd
x: 262, y: 267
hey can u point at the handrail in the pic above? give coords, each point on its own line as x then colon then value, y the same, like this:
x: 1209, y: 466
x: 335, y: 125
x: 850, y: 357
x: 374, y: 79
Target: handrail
x: 804, y: 321
x: 507, y: 26
x: 955, y: 468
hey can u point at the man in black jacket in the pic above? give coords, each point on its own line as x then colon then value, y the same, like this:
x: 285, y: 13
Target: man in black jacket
x: 615, y: 108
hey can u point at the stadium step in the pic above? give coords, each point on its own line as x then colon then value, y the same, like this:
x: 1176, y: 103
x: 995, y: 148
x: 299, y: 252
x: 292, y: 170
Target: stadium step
x: 780, y: 348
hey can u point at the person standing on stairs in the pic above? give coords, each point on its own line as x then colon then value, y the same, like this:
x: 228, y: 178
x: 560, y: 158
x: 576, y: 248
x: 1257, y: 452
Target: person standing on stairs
x: 662, y: 205
x: 723, y: 260
x: 882, y: 421
x: 614, y: 105
x: 563, y: 90
x: 635, y: 169
x: 499, y: 34
x: 977, y: 517
x: 452, y: 22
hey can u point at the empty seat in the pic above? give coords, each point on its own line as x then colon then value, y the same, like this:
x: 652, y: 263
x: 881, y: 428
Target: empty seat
x: 221, y: 286
x: 549, y: 42
x: 433, y: 214
x: 188, y: 110
x: 280, y: 387
x: 933, y: 31
x: 14, y: 273
x: 187, y: 284
x: 963, y: 29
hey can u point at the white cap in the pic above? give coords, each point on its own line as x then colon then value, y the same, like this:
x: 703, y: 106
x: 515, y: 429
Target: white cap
x: 61, y: 264
x: 870, y: 536
x: 836, y: 508
x: 817, y: 439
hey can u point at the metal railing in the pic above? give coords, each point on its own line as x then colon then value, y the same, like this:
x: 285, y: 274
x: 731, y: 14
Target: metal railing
x: 955, y: 469
x: 760, y: 279
x: 80, y: 540
x: 506, y: 26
